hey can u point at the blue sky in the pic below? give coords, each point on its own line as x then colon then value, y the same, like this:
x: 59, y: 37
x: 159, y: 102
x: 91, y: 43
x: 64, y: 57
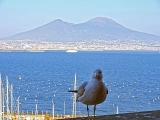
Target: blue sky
x: 22, y: 15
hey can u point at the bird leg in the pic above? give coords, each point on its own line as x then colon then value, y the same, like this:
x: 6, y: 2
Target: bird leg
x: 88, y: 111
x: 94, y: 111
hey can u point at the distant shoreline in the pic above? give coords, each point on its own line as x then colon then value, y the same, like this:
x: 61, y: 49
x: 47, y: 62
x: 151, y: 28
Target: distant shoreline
x: 80, y: 50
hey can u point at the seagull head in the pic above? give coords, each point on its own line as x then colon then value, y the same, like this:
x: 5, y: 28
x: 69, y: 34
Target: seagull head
x: 97, y: 74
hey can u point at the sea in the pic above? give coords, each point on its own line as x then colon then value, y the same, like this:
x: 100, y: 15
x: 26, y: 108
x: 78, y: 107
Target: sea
x: 132, y: 78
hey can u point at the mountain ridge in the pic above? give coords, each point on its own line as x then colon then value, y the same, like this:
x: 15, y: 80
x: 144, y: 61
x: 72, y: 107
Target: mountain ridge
x: 99, y: 28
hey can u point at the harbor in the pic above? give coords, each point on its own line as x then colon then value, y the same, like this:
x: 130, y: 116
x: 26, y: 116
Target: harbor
x: 37, y: 80
x: 145, y: 115
x: 43, y: 116
x: 12, y: 111
x: 10, y: 107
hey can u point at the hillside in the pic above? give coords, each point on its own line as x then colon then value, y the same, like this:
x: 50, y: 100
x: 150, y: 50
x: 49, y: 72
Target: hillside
x: 95, y: 29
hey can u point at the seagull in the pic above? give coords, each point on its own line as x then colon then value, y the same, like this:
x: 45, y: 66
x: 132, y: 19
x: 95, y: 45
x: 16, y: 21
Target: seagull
x: 92, y: 92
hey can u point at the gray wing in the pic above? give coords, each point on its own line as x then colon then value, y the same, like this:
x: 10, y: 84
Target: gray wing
x: 81, y: 90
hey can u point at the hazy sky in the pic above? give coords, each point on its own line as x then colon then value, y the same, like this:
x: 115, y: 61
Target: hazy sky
x: 22, y: 15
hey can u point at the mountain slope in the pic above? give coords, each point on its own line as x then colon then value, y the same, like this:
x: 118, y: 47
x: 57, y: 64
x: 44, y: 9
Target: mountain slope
x: 97, y: 28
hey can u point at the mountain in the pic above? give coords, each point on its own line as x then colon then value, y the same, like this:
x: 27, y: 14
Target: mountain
x: 97, y: 28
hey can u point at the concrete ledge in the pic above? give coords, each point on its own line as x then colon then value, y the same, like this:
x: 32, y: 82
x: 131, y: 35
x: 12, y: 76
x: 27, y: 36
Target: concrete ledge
x: 147, y: 115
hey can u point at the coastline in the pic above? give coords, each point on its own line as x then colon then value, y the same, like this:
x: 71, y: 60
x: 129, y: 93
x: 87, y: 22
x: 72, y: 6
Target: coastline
x: 80, y: 50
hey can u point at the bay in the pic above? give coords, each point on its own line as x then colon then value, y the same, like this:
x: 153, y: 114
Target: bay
x: 132, y: 78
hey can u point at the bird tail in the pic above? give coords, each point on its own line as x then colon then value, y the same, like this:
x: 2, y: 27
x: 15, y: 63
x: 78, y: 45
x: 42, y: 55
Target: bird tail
x: 73, y: 91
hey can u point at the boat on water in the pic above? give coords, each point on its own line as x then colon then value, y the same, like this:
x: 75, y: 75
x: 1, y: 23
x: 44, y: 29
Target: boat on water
x: 20, y: 78
x: 71, y: 50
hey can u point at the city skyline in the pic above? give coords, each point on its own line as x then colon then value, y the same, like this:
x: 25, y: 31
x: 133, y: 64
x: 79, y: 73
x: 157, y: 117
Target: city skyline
x: 20, y: 16
x: 99, y: 45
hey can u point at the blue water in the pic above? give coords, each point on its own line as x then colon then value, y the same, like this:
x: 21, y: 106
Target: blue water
x: 132, y: 79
